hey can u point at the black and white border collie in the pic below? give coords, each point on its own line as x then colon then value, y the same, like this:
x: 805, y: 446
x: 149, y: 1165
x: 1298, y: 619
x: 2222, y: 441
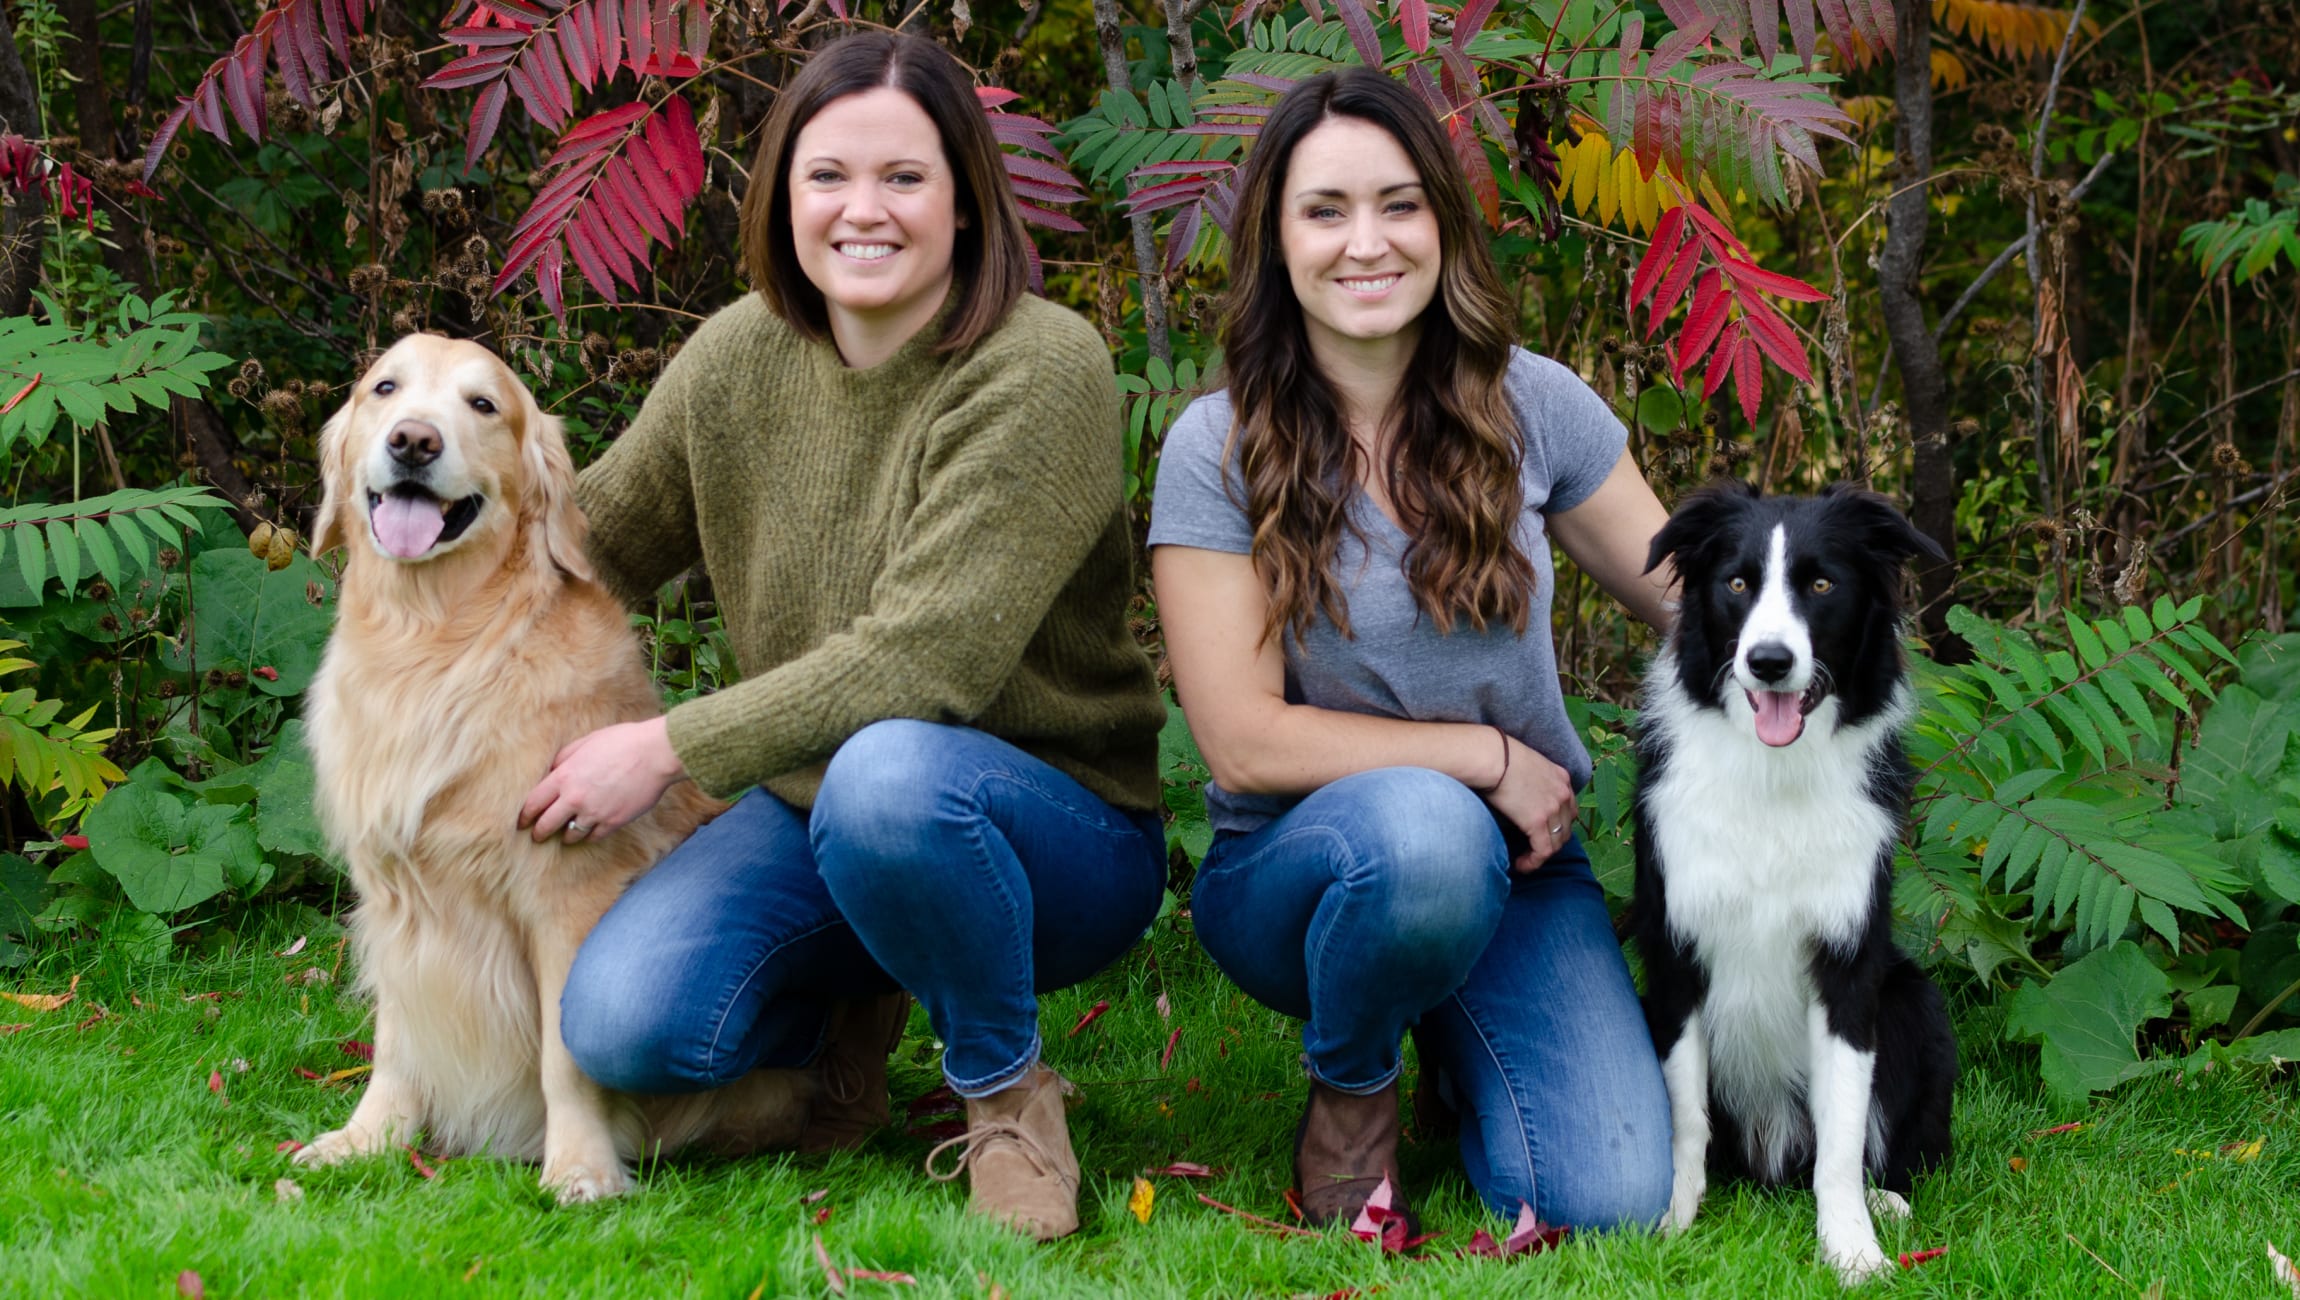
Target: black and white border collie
x: 1772, y: 786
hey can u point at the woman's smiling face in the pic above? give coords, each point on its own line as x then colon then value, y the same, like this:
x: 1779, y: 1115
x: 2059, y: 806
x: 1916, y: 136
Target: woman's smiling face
x: 1357, y: 233
x: 874, y: 209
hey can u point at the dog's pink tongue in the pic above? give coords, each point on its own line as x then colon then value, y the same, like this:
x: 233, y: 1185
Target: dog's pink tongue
x: 407, y: 525
x: 1780, y: 719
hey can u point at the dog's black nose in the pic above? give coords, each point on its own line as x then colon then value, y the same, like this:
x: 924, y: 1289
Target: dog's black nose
x: 413, y: 443
x: 1771, y: 661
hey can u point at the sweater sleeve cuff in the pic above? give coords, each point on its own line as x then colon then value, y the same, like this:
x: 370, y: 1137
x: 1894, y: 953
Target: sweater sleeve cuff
x: 709, y: 739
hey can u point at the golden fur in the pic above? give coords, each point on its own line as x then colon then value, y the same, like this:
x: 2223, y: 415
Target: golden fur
x: 450, y: 682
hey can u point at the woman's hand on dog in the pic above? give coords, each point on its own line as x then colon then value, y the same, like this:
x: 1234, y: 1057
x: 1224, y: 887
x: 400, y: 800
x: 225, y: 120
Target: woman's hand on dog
x: 600, y: 782
x: 1537, y: 797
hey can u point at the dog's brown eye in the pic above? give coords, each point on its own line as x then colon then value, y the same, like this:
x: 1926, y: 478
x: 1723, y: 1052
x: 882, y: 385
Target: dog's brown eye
x: 1821, y: 586
x: 386, y: 387
x: 483, y: 406
x: 1736, y: 586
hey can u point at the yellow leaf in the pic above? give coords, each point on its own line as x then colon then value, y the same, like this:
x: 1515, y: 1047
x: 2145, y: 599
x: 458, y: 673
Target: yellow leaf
x: 45, y: 1001
x: 1948, y: 70
x: 1142, y: 1199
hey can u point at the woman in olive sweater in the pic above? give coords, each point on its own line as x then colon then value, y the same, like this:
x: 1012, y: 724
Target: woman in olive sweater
x: 903, y: 474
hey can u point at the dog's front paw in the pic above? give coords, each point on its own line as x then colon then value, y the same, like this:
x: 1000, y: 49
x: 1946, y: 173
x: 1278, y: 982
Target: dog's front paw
x: 337, y: 1146
x: 1684, y: 1203
x: 1856, y: 1262
x: 578, y: 1181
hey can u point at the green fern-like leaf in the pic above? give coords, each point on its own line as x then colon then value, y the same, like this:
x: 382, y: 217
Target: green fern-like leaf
x: 112, y: 535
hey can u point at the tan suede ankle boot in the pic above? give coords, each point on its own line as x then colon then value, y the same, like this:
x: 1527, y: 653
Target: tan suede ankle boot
x: 1016, y: 1151
x: 850, y: 1100
x: 1346, y: 1145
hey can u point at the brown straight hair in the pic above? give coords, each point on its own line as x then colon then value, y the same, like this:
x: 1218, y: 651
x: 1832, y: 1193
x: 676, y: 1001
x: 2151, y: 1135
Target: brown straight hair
x: 990, y: 256
x: 1456, y: 449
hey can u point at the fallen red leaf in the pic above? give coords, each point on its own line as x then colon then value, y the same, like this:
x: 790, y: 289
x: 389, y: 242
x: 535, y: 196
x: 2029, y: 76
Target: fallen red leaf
x: 1379, y: 1222
x: 874, y: 1275
x: 1093, y: 1013
x: 415, y: 1158
x: 823, y: 1215
x: 1183, y: 1169
x: 830, y: 1271
x: 1482, y: 1246
x: 934, y: 1101
x: 189, y: 1285
x: 73, y: 842
x: 1531, y: 1236
x: 294, y: 948
x: 288, y: 1145
x: 2057, y: 1128
x: 1172, y: 1041
x: 99, y: 1014
x: 267, y: 672
x: 313, y: 1075
x: 17, y: 1028
x: 1287, y: 1229
x: 1910, y: 1259
x: 1165, y: 1008
x: 356, y: 1048
x: 811, y: 1197
x: 216, y: 1082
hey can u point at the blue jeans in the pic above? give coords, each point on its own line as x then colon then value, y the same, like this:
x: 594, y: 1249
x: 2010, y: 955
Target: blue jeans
x: 937, y: 859
x: 1385, y: 900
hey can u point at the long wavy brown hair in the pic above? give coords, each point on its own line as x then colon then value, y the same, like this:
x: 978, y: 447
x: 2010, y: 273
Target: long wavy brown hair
x: 1454, y: 450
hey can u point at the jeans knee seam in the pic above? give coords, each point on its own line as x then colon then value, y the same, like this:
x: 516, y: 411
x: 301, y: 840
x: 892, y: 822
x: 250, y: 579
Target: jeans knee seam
x: 727, y: 1002
x: 1525, y: 1137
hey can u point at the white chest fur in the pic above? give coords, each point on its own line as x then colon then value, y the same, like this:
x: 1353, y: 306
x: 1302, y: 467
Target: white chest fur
x: 1766, y: 855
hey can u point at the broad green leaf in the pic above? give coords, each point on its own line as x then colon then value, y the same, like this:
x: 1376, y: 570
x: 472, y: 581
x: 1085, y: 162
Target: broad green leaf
x: 151, y: 843
x: 24, y: 892
x: 31, y: 556
x: 2271, y: 964
x: 286, y: 820
x: 140, y: 938
x: 2086, y: 1018
x: 98, y: 542
x: 2210, y: 1007
x: 245, y: 612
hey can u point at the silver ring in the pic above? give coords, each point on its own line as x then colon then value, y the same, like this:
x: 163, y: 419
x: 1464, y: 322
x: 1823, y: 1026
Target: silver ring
x: 574, y: 828
x: 1557, y: 830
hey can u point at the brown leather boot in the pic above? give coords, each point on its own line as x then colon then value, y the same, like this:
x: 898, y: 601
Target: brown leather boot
x: 1016, y: 1152
x: 1344, y: 1148
x: 850, y: 1101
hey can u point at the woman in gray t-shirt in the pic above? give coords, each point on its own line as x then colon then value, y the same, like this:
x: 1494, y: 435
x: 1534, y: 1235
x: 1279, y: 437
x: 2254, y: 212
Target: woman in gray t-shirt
x: 1353, y: 574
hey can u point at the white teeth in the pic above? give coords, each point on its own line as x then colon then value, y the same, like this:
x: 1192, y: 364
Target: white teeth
x: 1371, y: 286
x: 867, y: 252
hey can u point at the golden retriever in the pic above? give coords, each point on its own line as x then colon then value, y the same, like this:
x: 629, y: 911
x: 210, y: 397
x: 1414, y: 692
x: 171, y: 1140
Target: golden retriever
x: 472, y: 641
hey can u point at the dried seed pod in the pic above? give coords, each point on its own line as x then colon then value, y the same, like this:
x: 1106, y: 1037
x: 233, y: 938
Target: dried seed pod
x: 260, y: 537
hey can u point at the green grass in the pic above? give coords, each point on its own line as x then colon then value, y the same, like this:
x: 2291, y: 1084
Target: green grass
x: 119, y: 1168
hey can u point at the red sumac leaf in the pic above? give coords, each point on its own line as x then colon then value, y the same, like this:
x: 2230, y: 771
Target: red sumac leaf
x: 619, y: 178
x: 588, y: 261
x: 591, y: 221
x: 294, y: 73
x: 1720, y: 362
x: 519, y: 11
x: 208, y: 109
x: 601, y: 124
x: 1414, y: 24
x: 677, y: 146
x: 486, y: 116
x: 638, y: 33
x: 333, y: 15
x: 471, y: 70
x: 1668, y: 235
x: 474, y: 39
x: 1756, y: 277
x: 169, y: 125
x: 1777, y: 340
x: 1182, y: 236
x: 547, y: 280
x: 244, y: 85
x: 607, y: 25
x: 1362, y: 34
x: 550, y: 72
x: 1048, y: 218
x: 697, y: 42
x: 994, y: 96
x: 1093, y: 1013
x: 1748, y: 376
x: 538, y: 107
x: 657, y: 185
x: 575, y: 46
x: 1674, y: 284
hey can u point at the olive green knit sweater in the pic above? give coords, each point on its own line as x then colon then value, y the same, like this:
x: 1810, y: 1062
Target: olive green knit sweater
x: 935, y: 537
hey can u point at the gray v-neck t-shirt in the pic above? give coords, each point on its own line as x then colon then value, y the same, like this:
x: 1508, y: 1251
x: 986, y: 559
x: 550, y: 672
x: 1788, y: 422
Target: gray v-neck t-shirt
x: 1399, y: 665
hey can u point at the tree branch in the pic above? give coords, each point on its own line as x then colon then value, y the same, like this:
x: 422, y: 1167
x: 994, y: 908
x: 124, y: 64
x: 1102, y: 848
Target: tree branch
x: 1150, y: 273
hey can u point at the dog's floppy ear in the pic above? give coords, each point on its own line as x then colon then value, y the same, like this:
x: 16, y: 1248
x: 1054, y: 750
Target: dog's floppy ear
x: 1698, y: 521
x: 335, y: 525
x: 547, y: 489
x: 1880, y: 525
